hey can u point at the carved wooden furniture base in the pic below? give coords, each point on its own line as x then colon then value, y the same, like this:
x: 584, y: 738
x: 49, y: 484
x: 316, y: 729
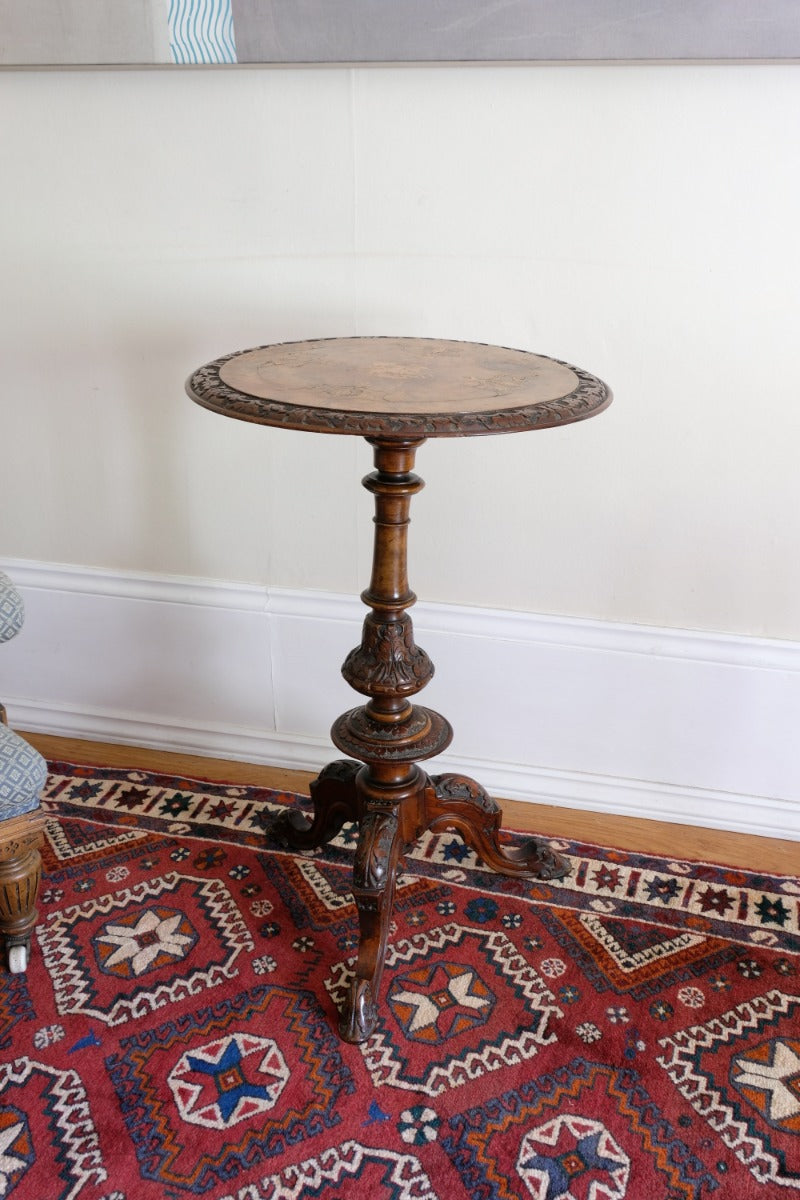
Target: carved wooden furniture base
x: 20, y: 877
x: 381, y: 786
x: 388, y: 827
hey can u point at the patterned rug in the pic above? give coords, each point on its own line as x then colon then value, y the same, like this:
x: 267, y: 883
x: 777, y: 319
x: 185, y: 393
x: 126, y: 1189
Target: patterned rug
x: 631, y: 1031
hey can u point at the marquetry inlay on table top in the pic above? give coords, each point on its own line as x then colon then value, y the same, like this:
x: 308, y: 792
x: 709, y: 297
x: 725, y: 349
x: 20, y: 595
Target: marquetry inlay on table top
x: 390, y: 386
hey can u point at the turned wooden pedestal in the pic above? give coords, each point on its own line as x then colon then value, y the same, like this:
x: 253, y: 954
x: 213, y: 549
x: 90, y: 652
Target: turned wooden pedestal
x: 396, y: 392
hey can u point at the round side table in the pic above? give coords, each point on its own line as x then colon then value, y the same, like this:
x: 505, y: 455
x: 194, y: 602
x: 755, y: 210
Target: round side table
x: 396, y: 392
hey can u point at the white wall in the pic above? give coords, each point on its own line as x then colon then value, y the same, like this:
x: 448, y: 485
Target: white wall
x: 640, y: 221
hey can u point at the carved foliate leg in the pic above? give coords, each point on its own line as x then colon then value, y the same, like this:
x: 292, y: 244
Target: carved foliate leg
x: 334, y: 801
x: 20, y: 876
x: 374, y: 875
x: 458, y: 802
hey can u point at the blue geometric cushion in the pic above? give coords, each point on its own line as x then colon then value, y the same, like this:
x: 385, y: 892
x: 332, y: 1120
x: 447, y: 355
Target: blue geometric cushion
x: 12, y: 612
x: 23, y: 772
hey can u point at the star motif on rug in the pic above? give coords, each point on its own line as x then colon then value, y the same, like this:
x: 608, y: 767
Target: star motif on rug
x: 14, y: 1140
x: 768, y: 1076
x: 774, y: 911
x: 229, y: 1080
x: 144, y: 942
x: 434, y: 1003
x: 717, y: 900
x: 573, y: 1158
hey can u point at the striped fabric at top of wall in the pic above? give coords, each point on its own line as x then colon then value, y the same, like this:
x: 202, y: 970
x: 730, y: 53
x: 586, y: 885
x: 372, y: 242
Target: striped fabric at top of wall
x: 201, y: 31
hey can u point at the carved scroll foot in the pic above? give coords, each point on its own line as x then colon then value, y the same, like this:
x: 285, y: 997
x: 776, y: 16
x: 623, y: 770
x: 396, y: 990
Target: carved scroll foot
x: 334, y: 801
x: 374, y: 875
x: 360, y: 1014
x: 457, y: 802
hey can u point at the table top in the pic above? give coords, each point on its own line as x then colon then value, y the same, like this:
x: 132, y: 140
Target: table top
x: 390, y: 387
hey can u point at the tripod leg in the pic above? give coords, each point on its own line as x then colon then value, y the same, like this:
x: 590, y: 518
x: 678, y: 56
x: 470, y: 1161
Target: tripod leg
x: 334, y: 801
x: 374, y: 875
x: 458, y: 802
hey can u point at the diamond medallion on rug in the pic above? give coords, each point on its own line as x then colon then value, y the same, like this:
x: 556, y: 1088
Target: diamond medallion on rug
x: 589, y: 1130
x: 127, y: 953
x: 740, y: 1072
x: 251, y: 1095
x: 631, y: 1032
x: 462, y: 1002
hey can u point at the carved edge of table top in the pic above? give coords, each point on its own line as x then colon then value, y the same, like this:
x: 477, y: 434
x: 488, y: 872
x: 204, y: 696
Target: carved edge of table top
x: 207, y: 388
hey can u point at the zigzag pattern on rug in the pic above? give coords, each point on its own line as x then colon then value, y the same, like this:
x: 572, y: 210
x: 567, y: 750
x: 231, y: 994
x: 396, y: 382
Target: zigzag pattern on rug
x: 630, y: 1031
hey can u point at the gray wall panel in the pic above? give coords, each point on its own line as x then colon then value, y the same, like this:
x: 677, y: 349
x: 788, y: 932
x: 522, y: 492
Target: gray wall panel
x: 475, y: 30
x: 83, y: 32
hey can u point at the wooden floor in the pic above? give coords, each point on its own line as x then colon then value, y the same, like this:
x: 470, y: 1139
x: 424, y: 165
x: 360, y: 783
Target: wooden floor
x: 628, y: 833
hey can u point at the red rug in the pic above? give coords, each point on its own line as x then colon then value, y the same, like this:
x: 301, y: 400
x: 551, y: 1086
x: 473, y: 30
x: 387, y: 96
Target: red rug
x: 632, y: 1031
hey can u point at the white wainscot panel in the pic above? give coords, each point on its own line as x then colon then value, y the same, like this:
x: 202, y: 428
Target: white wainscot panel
x: 659, y: 723
x: 135, y: 658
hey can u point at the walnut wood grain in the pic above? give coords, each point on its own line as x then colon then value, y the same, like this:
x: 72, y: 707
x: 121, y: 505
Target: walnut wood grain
x: 390, y: 798
x: 397, y: 387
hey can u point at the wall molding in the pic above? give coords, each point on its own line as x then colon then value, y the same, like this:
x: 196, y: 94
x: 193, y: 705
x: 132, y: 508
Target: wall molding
x: 675, y: 725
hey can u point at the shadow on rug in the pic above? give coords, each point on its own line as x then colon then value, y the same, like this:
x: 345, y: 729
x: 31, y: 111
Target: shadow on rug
x: 631, y: 1031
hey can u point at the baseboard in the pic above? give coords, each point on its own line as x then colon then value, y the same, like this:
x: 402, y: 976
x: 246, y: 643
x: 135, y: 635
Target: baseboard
x: 679, y: 726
